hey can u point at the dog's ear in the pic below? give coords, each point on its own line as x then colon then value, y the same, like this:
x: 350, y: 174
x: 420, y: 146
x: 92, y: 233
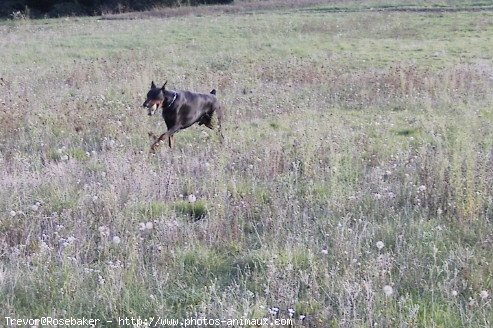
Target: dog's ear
x: 153, y: 86
x: 164, y: 86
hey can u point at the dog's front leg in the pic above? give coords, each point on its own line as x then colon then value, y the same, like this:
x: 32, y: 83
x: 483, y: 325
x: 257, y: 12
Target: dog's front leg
x: 156, y: 144
x: 171, y: 140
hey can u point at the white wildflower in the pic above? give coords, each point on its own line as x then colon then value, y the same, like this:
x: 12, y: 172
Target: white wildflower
x: 388, y: 290
x: 380, y: 244
x: 104, y: 231
x: 484, y: 294
x: 116, y: 240
x: 146, y: 226
x: 191, y: 198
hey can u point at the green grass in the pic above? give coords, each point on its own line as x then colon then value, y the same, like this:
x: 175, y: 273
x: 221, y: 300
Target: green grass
x: 345, y: 126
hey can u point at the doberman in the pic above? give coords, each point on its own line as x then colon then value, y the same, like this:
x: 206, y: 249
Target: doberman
x: 182, y: 109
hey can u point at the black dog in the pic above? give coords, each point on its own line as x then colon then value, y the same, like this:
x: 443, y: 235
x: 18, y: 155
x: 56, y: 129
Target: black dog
x: 182, y: 109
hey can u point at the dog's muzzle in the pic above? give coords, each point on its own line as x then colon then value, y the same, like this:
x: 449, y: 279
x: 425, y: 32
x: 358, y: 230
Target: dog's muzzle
x: 151, y: 108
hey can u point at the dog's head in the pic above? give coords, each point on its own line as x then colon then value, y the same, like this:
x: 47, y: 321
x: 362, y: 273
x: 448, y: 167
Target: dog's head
x: 155, y: 98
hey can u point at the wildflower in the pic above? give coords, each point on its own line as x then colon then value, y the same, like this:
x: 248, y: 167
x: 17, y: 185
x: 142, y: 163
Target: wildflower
x: 12, y: 213
x: 454, y: 293
x: 34, y: 207
x: 64, y: 158
x: 302, y: 317
x: 116, y: 240
x: 43, y: 246
x: 273, y: 310
x: 325, y: 251
x: 380, y: 245
x: 422, y: 188
x: 104, y: 231
x: 146, y: 226
x: 388, y: 290
x: 191, y: 198
x: 291, y: 312
x: 484, y: 294
x: 95, y: 198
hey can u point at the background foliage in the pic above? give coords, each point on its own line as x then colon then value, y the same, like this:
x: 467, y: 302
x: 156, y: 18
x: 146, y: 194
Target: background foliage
x: 54, y: 8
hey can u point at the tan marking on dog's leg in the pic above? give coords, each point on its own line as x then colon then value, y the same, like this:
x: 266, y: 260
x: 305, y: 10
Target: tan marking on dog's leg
x: 156, y: 144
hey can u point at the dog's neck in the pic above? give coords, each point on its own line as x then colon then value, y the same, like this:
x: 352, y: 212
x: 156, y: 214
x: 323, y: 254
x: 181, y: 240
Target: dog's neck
x: 172, y: 101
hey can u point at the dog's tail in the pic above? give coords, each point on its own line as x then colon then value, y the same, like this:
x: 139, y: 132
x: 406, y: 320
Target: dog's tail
x: 213, y: 92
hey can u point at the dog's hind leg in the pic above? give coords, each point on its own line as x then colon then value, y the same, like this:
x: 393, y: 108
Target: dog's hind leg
x: 219, y: 114
x: 207, y: 121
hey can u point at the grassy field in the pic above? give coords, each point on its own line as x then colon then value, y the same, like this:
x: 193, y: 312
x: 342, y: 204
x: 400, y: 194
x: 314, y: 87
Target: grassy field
x: 354, y: 186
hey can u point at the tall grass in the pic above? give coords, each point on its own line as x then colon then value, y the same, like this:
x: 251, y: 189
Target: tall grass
x: 354, y: 186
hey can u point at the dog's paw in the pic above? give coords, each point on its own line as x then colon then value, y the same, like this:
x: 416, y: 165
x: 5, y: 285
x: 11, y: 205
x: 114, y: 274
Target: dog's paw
x: 155, y: 146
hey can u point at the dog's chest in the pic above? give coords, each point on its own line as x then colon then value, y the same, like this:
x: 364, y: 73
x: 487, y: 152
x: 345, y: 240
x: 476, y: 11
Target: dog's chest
x: 170, y: 116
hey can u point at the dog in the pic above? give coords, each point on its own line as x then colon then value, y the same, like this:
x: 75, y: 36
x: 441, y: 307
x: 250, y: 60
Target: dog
x: 182, y: 109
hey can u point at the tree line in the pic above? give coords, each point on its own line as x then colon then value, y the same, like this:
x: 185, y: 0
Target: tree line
x: 56, y: 8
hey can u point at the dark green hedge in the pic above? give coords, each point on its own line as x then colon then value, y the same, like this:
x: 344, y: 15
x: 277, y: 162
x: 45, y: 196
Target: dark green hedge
x: 55, y: 8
